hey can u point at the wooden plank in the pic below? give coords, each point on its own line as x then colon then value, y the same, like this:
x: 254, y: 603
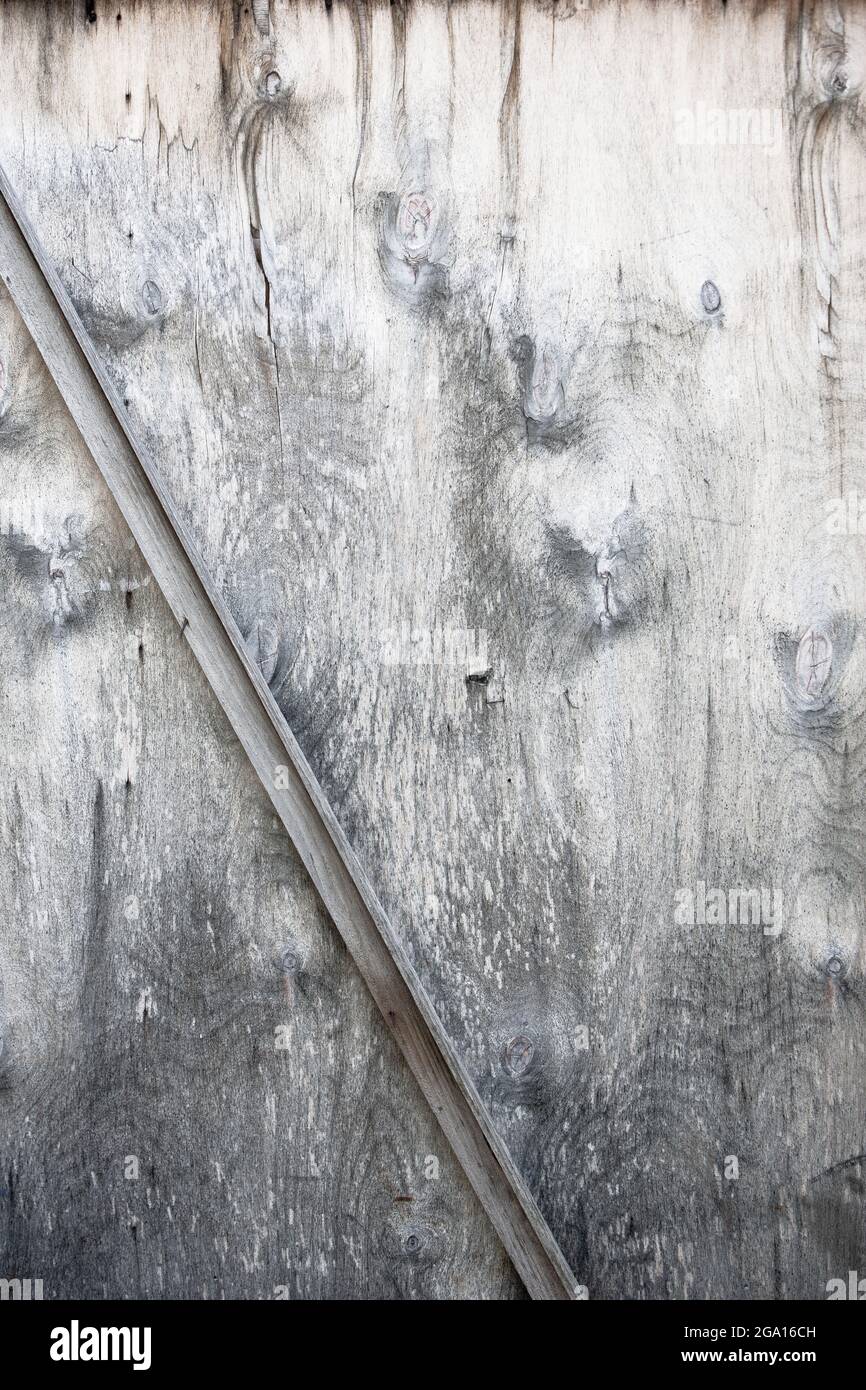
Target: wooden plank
x: 247, y: 701
x: 192, y: 1071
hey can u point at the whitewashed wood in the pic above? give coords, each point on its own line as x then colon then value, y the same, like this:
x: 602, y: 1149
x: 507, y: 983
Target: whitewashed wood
x: 678, y: 741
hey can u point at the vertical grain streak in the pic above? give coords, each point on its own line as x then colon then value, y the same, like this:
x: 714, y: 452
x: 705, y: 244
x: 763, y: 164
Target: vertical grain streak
x: 509, y: 114
x: 363, y: 83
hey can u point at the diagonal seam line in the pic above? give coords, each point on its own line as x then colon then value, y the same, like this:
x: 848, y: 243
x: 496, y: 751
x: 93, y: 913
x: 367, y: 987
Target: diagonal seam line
x: 253, y: 713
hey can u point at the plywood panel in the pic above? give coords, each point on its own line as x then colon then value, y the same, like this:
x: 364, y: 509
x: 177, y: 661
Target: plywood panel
x: 506, y: 362
x: 196, y: 1099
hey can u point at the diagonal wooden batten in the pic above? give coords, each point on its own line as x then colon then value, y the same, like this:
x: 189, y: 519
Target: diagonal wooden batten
x: 255, y: 717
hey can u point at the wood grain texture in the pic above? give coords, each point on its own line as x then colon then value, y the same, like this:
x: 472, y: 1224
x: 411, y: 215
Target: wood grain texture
x: 487, y: 318
x: 174, y: 996
x: 244, y: 697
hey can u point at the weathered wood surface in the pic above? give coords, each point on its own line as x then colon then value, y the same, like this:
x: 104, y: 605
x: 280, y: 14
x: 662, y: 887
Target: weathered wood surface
x: 174, y: 997
x: 509, y: 318
x: 254, y: 716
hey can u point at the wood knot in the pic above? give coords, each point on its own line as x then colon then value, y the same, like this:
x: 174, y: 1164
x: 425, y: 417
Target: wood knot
x: 263, y: 644
x: 837, y: 66
x: 62, y: 575
x: 412, y: 246
x: 710, y: 297
x: 543, y: 397
x: 415, y: 1240
x: 812, y: 659
x: 415, y: 1228
x: 416, y: 223
x: 608, y: 566
x: 526, y: 1056
x: 291, y: 960
x: 604, y: 583
x: 840, y: 82
x: 151, y: 297
x: 267, y: 78
x: 813, y: 665
x: 517, y: 1054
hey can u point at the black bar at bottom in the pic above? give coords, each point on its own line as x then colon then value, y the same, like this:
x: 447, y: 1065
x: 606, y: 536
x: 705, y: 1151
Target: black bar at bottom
x: 162, y: 1339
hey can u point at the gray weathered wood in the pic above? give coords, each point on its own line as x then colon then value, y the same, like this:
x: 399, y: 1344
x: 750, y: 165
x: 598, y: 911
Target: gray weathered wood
x: 197, y: 1097
x: 564, y: 305
x: 246, y: 700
